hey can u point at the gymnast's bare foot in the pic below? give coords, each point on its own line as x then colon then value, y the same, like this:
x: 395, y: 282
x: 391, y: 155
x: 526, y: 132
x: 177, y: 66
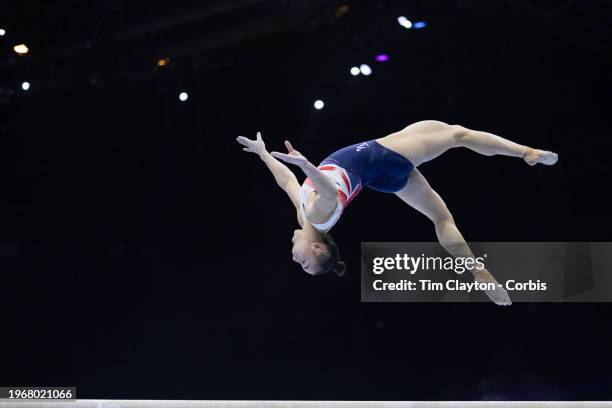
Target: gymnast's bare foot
x: 535, y: 156
x: 499, y: 295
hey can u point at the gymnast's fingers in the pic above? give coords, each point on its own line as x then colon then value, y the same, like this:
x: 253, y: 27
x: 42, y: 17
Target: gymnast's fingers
x: 289, y: 147
x: 281, y: 156
x: 244, y: 141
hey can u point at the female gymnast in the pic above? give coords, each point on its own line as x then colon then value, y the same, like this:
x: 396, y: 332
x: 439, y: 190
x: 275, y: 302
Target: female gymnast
x: 389, y: 165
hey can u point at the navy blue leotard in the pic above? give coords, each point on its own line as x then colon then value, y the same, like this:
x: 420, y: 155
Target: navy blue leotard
x: 366, y: 164
x: 372, y: 165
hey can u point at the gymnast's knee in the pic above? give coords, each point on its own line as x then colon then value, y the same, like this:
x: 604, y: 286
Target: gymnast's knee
x: 460, y: 135
x: 442, y: 219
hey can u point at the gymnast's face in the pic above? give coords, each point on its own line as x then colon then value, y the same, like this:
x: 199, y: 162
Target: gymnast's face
x: 304, y: 251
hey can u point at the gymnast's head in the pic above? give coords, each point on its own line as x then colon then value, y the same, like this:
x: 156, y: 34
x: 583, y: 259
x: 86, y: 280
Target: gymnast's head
x: 316, y: 253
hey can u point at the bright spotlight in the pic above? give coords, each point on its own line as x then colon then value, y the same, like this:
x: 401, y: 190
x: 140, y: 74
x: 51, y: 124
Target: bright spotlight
x: 162, y: 62
x: 419, y: 24
x: 21, y: 49
x: 319, y: 104
x: 183, y: 96
x: 25, y: 86
x: 355, y: 71
x: 382, y: 57
x: 365, y: 69
x: 404, y: 22
x: 2, y: 32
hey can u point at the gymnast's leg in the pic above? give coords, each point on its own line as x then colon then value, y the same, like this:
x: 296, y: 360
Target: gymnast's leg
x: 426, y: 140
x: 419, y: 194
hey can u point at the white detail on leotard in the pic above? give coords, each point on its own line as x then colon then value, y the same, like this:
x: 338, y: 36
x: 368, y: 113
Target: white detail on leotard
x: 362, y: 146
x: 346, y: 192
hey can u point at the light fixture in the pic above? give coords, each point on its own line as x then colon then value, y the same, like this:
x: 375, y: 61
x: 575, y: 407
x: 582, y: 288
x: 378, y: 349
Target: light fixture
x: 404, y: 22
x: 21, y: 49
x: 365, y: 69
x: 382, y: 57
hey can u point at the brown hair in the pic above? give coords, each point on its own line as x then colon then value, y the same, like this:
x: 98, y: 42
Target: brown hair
x: 330, y: 260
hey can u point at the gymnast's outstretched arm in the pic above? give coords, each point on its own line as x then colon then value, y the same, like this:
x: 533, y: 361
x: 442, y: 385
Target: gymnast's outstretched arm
x: 326, y: 189
x: 325, y: 199
x: 282, y: 174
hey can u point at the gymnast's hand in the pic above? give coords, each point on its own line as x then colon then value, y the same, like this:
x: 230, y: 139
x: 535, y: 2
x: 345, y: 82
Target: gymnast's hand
x: 252, y: 146
x: 292, y: 156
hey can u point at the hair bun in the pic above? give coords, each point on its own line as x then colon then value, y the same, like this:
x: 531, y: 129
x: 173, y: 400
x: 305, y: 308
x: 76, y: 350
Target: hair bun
x: 340, y: 268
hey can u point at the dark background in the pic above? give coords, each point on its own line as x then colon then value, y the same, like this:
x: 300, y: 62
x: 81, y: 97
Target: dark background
x: 144, y: 255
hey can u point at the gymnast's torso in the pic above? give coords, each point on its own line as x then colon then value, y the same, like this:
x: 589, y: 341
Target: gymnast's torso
x: 352, y: 168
